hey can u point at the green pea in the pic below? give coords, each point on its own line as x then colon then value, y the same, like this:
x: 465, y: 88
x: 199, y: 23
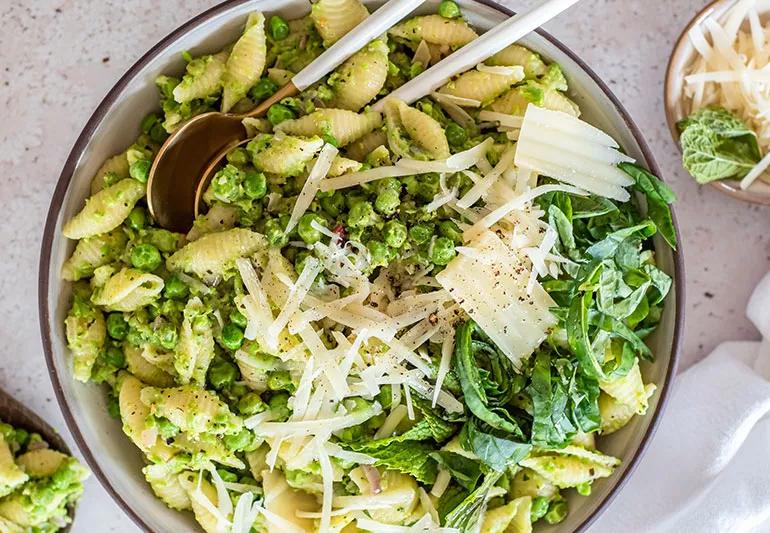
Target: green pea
x: 221, y: 374
x: 232, y: 336
x: 362, y: 215
x: 395, y: 233
x: 167, y: 335
x: 113, y: 407
x: 449, y: 229
x: 238, y: 156
x: 333, y: 204
x: 137, y: 218
x: 21, y: 436
x: 146, y: 257
x: 280, y: 380
x: 388, y: 184
x: 324, y: 93
x: 379, y: 253
x: 226, y: 184
x: 352, y: 199
x: 279, y: 113
x: 166, y: 428
x: 448, y: 9
x: 149, y: 121
x: 284, y: 220
x: 584, y: 489
x: 251, y: 404
x: 387, y: 202
x: 305, y: 228
x: 279, y: 29
x: 140, y: 170
x: 557, y: 512
x: 539, y: 508
x: 113, y: 355
x: 279, y: 406
x: 264, y: 88
x: 255, y: 185
x: 117, y: 327
x: 442, y: 251
x: 274, y: 233
x: 456, y: 135
x: 236, y: 443
x: 420, y: 233
x: 300, y: 260
x: 247, y: 480
x: 175, y: 289
x: 238, y: 318
x: 158, y: 133
x: 226, y: 475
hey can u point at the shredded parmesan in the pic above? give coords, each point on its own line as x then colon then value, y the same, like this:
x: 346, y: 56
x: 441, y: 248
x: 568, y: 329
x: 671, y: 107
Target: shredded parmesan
x: 320, y: 169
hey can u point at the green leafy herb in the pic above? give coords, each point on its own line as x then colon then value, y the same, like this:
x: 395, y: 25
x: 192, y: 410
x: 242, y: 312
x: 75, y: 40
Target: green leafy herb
x: 406, y: 456
x: 467, y: 515
x: 495, y: 451
x: 464, y: 470
x: 659, y: 198
x: 717, y: 145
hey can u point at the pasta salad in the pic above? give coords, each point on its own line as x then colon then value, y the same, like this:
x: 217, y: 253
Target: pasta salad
x: 421, y: 318
x: 37, y: 484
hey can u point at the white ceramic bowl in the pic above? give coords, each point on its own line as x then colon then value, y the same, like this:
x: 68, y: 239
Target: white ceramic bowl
x: 113, y: 126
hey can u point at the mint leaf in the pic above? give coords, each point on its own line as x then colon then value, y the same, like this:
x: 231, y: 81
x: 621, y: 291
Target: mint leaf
x: 467, y: 515
x: 717, y: 145
x: 659, y: 197
x: 408, y: 457
x: 497, y: 452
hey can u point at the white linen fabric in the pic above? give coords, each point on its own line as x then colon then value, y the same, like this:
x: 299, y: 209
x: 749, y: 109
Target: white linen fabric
x: 708, y: 467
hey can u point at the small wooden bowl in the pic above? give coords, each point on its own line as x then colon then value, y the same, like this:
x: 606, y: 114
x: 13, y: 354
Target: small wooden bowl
x: 677, y: 108
x: 16, y: 414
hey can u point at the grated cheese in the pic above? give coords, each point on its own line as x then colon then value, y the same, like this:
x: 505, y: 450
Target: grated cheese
x: 297, y: 294
x: 312, y: 185
x: 479, y: 189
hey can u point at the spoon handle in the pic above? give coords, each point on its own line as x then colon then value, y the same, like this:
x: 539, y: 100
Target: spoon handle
x: 372, y: 27
x: 480, y: 49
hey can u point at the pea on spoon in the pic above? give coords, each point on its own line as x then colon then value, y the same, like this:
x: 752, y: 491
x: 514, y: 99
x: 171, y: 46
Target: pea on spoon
x: 190, y: 153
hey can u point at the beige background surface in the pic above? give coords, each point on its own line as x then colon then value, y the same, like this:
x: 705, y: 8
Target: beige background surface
x: 58, y: 58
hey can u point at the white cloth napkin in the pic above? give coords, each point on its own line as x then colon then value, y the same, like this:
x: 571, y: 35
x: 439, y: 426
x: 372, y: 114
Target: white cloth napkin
x: 708, y: 467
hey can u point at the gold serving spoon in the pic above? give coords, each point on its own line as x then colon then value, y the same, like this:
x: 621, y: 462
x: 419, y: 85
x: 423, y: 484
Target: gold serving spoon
x: 194, y: 150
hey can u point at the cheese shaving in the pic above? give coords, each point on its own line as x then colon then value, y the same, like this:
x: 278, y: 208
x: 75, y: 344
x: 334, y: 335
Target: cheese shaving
x: 312, y: 185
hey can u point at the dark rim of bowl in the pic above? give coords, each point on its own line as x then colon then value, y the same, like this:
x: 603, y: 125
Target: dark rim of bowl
x: 100, y: 113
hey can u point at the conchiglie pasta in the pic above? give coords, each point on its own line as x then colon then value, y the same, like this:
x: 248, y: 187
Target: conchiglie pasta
x: 516, y: 54
x: 134, y: 415
x: 335, y: 18
x: 164, y: 481
x: 284, y: 501
x: 359, y: 149
x: 105, y: 210
x: 360, y: 79
x: 203, y: 78
x: 527, y: 482
x: 11, y: 476
x: 481, y: 86
x: 345, y: 126
x: 203, y: 497
x: 343, y: 165
x: 205, y: 447
x: 116, y: 165
x: 246, y: 62
x: 214, y: 253
x: 128, y: 290
x: 86, y: 333
x: 146, y: 371
x: 93, y: 252
x: 615, y: 415
x: 628, y: 390
x: 435, y: 29
x: 565, y: 471
x: 288, y: 156
x: 510, y: 518
x: 195, y: 348
x: 191, y: 409
x: 42, y: 462
x: 423, y: 130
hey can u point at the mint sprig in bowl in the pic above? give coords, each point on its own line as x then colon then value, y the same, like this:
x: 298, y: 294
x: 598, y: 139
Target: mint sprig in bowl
x: 716, y: 99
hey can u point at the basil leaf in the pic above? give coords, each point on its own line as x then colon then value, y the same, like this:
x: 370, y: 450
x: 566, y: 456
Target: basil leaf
x: 659, y: 197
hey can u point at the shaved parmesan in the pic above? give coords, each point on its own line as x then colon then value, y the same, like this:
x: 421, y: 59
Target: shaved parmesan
x: 296, y: 295
x: 517, y: 322
x: 320, y: 169
x: 312, y: 427
x: 480, y: 188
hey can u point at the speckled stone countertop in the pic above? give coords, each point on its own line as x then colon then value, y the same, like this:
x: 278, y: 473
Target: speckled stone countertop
x: 58, y: 58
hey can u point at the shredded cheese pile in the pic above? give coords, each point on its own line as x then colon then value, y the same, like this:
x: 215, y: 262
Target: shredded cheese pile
x: 732, y: 70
